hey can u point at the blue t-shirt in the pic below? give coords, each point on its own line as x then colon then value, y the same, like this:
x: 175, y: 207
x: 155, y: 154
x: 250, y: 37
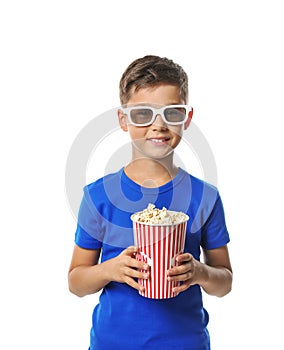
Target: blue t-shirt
x: 123, y: 319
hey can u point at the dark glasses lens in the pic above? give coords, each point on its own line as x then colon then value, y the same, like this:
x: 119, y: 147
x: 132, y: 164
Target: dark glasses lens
x: 141, y: 115
x: 175, y: 115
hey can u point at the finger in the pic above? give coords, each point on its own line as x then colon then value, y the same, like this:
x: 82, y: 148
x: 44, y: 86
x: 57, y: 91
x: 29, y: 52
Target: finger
x: 129, y: 272
x: 136, y: 264
x: 130, y: 251
x: 184, y: 257
x: 132, y: 283
x: 183, y: 287
x: 180, y: 278
x: 181, y: 269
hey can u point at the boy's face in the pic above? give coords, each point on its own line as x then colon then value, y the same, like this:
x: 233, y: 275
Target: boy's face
x: 158, y: 139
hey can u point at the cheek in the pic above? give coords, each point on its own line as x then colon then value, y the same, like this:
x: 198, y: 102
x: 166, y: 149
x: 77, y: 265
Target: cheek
x: 176, y: 131
x: 136, y: 133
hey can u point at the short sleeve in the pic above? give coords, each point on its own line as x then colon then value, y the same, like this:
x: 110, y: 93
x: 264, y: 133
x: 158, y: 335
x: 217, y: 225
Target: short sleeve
x: 214, y: 232
x: 88, y: 233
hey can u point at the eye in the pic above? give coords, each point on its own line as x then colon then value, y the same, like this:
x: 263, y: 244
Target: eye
x: 175, y: 114
x: 141, y: 115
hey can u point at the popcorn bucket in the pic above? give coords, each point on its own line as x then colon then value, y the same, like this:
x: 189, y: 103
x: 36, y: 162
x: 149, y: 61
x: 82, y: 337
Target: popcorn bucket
x: 158, y: 245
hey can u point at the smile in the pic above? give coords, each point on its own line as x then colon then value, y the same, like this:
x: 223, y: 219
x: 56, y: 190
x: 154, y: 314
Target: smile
x: 159, y: 141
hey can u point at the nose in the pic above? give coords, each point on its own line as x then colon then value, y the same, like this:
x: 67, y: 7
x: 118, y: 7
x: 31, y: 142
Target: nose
x: 159, y: 123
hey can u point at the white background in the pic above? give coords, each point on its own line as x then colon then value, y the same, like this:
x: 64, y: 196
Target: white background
x: 61, y: 62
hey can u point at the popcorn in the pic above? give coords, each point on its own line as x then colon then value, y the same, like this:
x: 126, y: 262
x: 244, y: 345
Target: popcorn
x: 153, y: 215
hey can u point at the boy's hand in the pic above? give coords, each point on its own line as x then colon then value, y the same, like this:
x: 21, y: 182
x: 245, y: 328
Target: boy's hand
x: 124, y: 268
x: 187, y: 272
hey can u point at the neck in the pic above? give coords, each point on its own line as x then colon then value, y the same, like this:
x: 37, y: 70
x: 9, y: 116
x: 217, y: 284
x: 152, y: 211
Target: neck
x: 149, y: 172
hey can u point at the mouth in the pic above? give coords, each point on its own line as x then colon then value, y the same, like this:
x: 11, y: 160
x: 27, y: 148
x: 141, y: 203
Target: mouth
x: 159, y: 141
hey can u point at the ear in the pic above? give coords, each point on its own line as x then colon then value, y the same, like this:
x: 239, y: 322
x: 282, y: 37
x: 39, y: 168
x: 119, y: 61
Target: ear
x: 190, y: 114
x: 122, y: 120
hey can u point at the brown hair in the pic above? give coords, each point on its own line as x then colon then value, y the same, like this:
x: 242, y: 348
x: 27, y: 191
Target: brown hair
x: 149, y: 71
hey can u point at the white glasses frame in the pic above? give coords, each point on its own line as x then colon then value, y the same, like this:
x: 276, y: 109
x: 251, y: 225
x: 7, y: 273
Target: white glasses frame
x: 156, y: 111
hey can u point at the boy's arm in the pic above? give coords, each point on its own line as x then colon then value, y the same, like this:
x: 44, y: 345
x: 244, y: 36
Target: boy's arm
x: 214, y: 275
x: 218, y: 272
x: 86, y: 276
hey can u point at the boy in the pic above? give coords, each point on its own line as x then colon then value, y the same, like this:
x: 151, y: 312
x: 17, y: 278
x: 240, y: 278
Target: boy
x: 154, y: 95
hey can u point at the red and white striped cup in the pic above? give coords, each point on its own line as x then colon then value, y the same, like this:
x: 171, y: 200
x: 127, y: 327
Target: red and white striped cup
x: 158, y: 245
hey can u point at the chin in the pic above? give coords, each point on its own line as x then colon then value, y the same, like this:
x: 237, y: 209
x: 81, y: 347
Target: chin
x: 158, y: 153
